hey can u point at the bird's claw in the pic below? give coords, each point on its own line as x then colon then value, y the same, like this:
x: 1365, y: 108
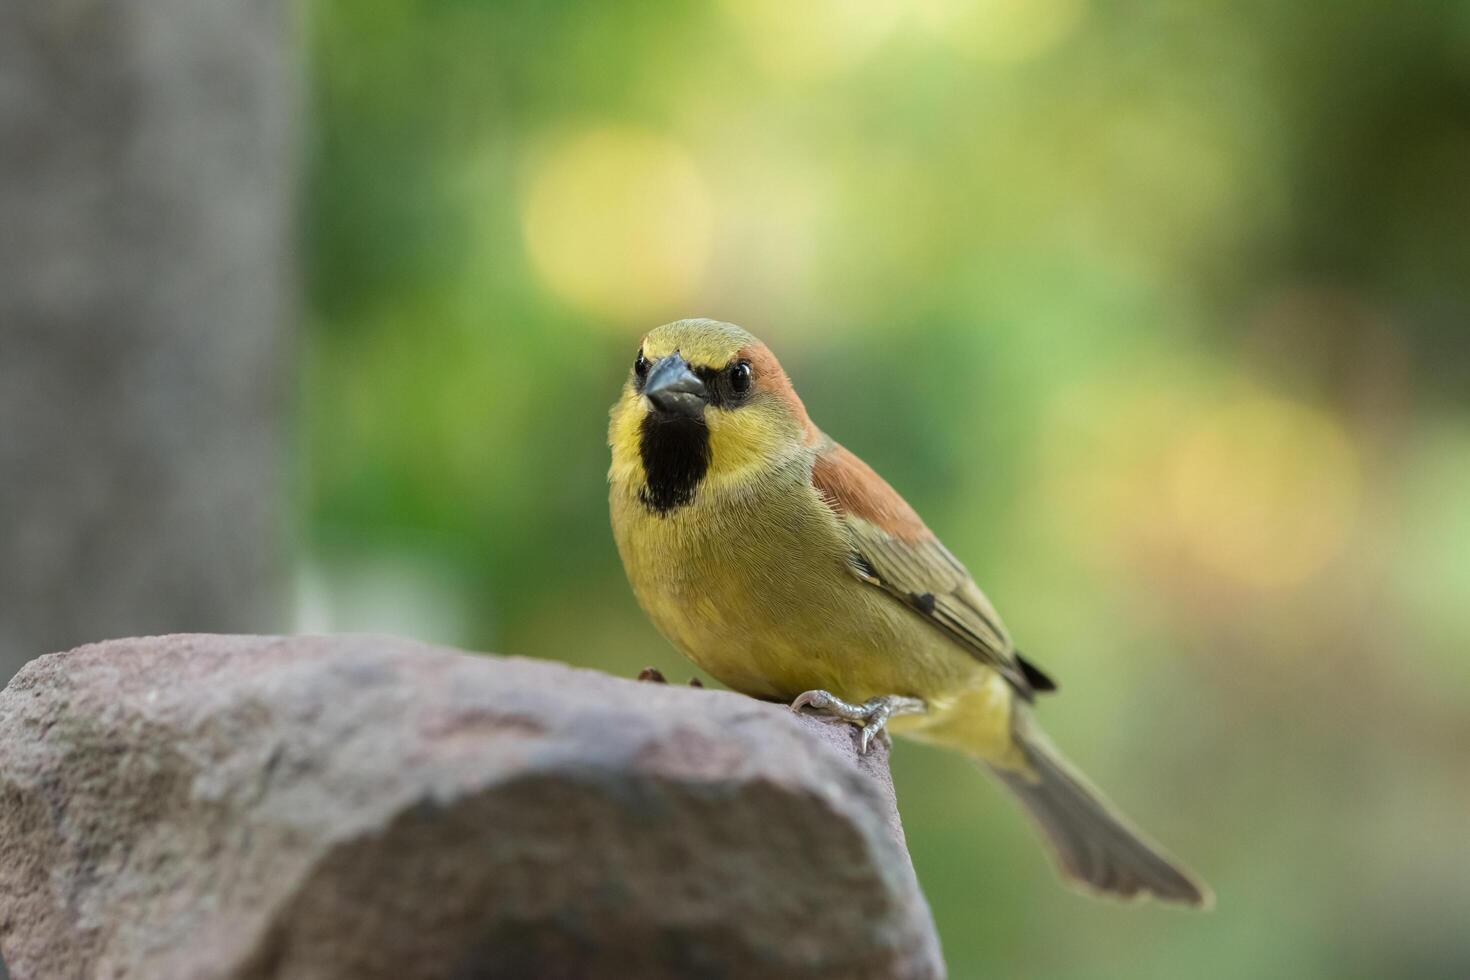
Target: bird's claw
x: 652, y: 675
x: 828, y: 703
x: 871, y: 716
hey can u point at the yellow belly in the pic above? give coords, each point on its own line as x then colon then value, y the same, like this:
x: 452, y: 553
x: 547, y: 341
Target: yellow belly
x: 772, y: 611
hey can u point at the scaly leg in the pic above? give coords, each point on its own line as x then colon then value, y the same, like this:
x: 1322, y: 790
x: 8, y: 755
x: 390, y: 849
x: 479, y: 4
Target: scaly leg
x: 871, y: 716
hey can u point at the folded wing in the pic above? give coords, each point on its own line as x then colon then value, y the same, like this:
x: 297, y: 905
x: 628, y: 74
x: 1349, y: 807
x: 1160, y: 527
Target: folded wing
x: 895, y: 551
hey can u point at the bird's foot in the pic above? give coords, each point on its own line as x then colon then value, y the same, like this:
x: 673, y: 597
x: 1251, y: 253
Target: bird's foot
x: 871, y: 716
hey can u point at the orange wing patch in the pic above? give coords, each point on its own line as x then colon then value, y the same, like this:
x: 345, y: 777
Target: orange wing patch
x: 851, y: 487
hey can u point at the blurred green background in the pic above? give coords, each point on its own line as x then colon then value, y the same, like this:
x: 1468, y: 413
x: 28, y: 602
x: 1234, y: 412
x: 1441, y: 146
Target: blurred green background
x: 1159, y: 313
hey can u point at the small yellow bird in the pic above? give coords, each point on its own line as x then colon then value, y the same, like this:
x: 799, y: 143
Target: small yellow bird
x: 785, y: 567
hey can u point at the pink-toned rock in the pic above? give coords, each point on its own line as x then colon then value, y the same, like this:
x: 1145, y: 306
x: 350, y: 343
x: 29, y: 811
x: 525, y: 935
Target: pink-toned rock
x: 256, y: 807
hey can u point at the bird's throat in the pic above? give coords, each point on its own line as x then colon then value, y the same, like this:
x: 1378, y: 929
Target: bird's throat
x: 676, y: 456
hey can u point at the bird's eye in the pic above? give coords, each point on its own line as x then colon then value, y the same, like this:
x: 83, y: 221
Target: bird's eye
x: 740, y: 378
x: 640, y: 366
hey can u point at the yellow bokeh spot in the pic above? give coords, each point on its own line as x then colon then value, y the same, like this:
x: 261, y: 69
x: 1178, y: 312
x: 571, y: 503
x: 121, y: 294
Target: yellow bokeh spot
x: 1263, y: 490
x: 1002, y: 31
x: 618, y: 222
x: 812, y: 38
x: 1100, y: 457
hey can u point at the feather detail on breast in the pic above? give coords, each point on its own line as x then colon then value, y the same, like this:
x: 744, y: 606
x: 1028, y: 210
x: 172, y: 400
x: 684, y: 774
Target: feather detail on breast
x: 894, y: 550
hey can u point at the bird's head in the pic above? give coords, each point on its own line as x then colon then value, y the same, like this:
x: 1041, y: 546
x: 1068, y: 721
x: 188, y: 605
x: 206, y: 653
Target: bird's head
x: 705, y: 405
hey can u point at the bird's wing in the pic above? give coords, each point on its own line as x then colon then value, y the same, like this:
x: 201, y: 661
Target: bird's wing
x: 895, y: 551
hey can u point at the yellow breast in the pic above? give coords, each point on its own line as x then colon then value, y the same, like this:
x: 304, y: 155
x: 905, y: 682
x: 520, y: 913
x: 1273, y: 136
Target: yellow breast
x: 751, y: 581
x: 757, y: 591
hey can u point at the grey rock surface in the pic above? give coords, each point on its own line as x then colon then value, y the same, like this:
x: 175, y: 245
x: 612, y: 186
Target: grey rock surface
x: 252, y: 807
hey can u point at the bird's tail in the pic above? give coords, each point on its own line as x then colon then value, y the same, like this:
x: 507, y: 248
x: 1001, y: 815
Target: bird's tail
x: 1095, y: 846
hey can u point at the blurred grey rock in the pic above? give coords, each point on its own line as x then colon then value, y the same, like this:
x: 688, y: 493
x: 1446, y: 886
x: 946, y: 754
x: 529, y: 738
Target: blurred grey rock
x: 253, y: 807
x: 146, y: 180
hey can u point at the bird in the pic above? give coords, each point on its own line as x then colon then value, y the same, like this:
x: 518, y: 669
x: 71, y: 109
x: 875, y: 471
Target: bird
x: 787, y: 569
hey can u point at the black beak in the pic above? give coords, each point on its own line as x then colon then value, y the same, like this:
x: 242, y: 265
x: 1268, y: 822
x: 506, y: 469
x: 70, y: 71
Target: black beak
x: 674, y: 389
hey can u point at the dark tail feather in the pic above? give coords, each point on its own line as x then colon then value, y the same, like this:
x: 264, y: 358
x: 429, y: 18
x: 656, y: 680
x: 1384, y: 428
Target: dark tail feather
x: 1094, y: 845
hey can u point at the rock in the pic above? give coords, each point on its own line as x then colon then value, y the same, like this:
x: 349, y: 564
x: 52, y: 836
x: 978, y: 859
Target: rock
x: 253, y: 807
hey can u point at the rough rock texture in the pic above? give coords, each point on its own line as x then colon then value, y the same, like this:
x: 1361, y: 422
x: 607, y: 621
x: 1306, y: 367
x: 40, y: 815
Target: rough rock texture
x: 251, y: 807
x: 146, y: 177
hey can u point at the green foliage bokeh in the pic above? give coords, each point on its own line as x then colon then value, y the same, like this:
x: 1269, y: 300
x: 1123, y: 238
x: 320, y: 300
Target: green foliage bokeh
x: 1159, y: 313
